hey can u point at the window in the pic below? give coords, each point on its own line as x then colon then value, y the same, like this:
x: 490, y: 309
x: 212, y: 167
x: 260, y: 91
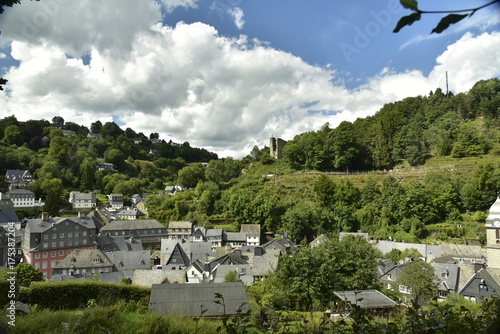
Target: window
x: 483, y: 287
x: 53, y: 254
x: 497, y: 232
x: 45, y: 237
x: 45, y: 255
x: 44, y: 265
x: 61, y: 235
x: 84, y: 233
x: 61, y: 243
x: 54, y: 244
x: 442, y: 294
x: 37, y: 255
x: 54, y: 235
x: 45, y: 245
x: 61, y: 253
x: 70, y: 234
x: 77, y: 234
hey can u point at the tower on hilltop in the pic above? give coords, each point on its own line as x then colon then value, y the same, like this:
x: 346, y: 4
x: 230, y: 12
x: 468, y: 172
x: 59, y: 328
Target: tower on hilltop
x: 276, y: 147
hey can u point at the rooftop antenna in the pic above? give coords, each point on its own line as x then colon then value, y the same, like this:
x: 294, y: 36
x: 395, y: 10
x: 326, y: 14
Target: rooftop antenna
x: 447, y: 95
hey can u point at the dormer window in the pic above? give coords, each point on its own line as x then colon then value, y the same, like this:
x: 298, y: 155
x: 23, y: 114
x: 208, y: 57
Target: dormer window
x: 96, y: 260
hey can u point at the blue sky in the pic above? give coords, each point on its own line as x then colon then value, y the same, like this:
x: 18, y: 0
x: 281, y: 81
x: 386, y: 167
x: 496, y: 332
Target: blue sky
x: 228, y: 74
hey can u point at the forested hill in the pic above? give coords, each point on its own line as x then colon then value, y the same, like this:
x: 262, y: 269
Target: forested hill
x: 69, y: 144
x: 411, y: 130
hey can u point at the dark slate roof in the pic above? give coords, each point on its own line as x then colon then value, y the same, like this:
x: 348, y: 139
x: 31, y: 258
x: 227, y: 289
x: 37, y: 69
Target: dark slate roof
x: 85, y: 258
x: 367, y: 299
x: 447, y: 273
x: 120, y: 225
x: 118, y: 243
x: 17, y: 175
x: 39, y: 225
x: 7, y: 212
x: 20, y: 192
x: 129, y: 260
x: 190, y: 299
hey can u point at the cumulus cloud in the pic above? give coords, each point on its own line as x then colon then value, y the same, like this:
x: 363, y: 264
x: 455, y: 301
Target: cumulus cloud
x: 237, y: 14
x: 189, y: 83
x: 170, y: 5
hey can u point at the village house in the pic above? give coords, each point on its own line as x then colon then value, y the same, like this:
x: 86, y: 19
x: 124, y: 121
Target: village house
x: 17, y: 178
x: 252, y: 232
x: 103, y: 166
x: 115, y: 201
x: 83, y: 262
x: 180, y: 230
x: 23, y: 198
x: 82, y: 201
x: 47, y: 240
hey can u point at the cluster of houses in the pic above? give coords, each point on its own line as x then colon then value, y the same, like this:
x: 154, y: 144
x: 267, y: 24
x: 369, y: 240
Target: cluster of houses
x: 114, y: 244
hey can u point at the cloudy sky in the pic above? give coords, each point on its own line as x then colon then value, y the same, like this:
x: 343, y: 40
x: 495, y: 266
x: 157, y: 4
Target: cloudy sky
x: 227, y: 74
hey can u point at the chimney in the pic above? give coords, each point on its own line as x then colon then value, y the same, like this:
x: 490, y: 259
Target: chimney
x: 45, y: 215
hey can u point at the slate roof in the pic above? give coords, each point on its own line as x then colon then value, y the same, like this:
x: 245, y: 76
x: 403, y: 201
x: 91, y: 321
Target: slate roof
x: 18, y: 175
x: 367, y: 299
x: 185, y: 224
x: 38, y: 225
x: 484, y: 274
x: 120, y: 225
x: 250, y: 229
x: 214, y: 232
x: 235, y: 236
x: 20, y: 193
x: 7, y: 212
x: 118, y: 243
x: 190, y: 299
x: 129, y: 260
x: 85, y: 258
x: 447, y: 273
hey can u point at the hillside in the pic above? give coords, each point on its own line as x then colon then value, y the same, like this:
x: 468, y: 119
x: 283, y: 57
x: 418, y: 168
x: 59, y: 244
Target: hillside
x: 425, y: 167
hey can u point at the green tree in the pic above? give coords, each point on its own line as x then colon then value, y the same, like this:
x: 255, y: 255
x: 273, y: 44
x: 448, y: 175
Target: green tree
x: 87, y: 174
x: 26, y: 274
x: 307, y: 279
x: 189, y: 176
x: 420, y: 278
x: 12, y: 135
x: 232, y: 276
x: 53, y: 189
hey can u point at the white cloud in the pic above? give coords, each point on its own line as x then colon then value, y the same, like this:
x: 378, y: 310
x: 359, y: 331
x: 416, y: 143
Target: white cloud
x: 2, y: 55
x: 188, y: 83
x: 237, y: 14
x: 170, y: 5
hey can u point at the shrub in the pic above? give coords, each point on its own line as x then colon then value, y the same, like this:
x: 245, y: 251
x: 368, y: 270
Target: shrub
x: 76, y: 294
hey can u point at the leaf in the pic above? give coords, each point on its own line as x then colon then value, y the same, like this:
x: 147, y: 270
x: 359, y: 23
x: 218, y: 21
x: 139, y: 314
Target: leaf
x: 407, y: 21
x: 410, y: 4
x: 447, y: 21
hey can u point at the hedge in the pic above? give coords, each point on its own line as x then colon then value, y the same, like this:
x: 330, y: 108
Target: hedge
x: 76, y: 294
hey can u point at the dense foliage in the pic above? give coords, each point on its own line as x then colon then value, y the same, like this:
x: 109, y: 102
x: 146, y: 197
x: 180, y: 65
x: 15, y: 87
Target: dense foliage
x: 307, y: 280
x: 444, y: 203
x: 411, y: 130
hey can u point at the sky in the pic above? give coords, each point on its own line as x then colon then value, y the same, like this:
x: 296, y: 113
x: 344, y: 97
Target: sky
x: 226, y: 75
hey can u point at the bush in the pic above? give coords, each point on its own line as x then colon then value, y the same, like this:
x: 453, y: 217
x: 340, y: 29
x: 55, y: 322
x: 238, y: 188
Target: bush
x: 76, y: 294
